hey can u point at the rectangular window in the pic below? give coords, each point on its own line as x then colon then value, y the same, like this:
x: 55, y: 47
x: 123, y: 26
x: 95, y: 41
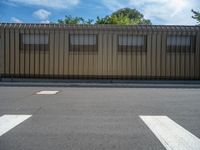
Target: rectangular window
x: 83, y: 43
x: 135, y: 43
x: 181, y: 43
x: 34, y: 42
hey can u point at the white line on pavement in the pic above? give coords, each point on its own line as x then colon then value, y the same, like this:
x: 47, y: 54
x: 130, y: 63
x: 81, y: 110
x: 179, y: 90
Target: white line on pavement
x: 170, y: 134
x: 47, y: 92
x: 7, y: 122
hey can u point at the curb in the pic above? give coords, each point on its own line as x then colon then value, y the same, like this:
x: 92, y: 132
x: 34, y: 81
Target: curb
x: 100, y: 85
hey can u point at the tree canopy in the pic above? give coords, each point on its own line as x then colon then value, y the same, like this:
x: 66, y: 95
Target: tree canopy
x: 196, y: 16
x: 74, y: 20
x: 125, y: 16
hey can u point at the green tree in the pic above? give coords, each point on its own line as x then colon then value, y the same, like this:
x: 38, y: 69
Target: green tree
x: 74, y: 20
x: 114, y: 19
x: 196, y: 16
x: 126, y: 16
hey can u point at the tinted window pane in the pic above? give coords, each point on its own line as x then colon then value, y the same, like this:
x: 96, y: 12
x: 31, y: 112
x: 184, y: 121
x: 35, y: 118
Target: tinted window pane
x: 34, y: 42
x: 177, y: 43
x: 83, y: 39
x: 35, y: 39
x: 179, y: 40
x: 83, y: 43
x: 131, y: 40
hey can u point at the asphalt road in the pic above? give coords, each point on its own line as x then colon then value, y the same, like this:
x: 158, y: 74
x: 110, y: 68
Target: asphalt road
x: 94, y: 118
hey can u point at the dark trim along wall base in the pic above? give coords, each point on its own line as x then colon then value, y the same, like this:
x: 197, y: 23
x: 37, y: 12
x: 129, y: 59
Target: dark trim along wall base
x: 95, y: 77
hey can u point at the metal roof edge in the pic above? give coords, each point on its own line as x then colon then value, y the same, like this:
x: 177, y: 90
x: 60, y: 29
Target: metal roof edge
x: 98, y: 26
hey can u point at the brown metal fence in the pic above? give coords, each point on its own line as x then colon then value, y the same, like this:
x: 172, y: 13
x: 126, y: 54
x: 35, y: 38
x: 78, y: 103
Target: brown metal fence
x: 99, y: 51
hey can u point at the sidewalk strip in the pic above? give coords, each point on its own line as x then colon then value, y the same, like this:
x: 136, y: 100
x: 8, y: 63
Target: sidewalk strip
x: 170, y: 134
x: 7, y: 122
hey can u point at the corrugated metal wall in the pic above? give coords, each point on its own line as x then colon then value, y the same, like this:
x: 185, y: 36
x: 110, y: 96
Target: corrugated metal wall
x: 58, y: 61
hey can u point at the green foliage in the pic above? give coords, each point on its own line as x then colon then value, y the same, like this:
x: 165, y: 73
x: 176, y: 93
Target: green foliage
x: 196, y: 16
x: 114, y: 19
x: 74, y: 20
x: 125, y: 16
x: 102, y: 20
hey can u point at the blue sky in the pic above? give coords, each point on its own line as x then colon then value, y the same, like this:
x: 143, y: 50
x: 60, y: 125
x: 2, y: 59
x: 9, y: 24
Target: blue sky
x: 44, y: 11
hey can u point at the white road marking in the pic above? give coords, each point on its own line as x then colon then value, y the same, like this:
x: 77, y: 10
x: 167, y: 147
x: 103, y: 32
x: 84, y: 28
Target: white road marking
x: 47, y: 92
x: 170, y: 134
x: 7, y: 122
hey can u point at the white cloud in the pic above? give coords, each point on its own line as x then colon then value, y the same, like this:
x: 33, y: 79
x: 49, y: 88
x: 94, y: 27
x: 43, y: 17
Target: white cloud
x: 16, y: 20
x: 45, y: 21
x: 8, y: 3
x: 160, y: 11
x: 42, y: 14
x: 57, y: 4
x: 113, y: 4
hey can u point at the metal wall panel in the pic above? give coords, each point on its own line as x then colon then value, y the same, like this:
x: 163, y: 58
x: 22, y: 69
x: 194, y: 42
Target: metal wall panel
x: 16, y: 41
x: 2, y: 41
x: 107, y: 62
x: 7, y: 52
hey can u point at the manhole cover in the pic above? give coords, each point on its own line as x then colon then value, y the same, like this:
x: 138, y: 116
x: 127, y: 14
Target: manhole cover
x: 47, y: 92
